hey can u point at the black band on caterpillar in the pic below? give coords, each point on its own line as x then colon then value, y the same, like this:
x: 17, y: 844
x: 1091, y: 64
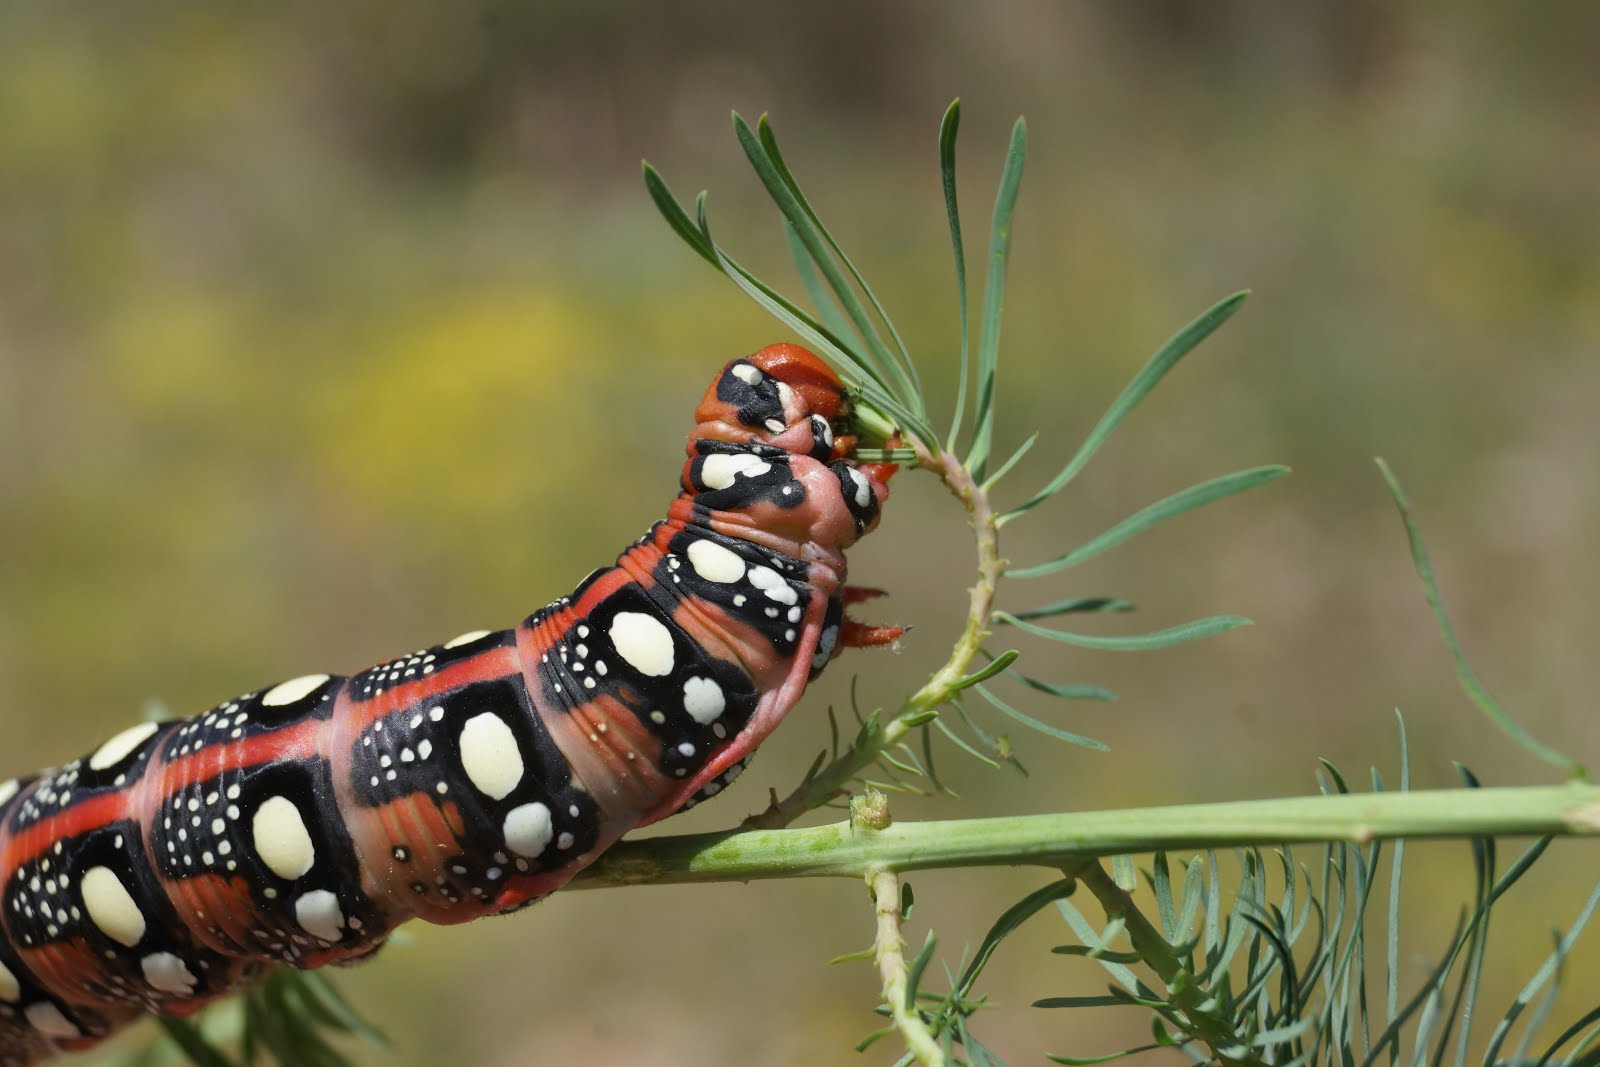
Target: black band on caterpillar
x: 299, y: 824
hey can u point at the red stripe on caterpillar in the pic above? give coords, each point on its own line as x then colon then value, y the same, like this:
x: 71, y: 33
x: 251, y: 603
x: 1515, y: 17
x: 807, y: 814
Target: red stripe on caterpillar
x: 299, y: 824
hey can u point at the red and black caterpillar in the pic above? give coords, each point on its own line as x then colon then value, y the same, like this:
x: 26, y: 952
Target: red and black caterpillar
x: 301, y: 823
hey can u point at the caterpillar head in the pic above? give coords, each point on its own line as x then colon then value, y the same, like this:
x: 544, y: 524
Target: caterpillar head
x: 786, y: 397
x: 783, y: 396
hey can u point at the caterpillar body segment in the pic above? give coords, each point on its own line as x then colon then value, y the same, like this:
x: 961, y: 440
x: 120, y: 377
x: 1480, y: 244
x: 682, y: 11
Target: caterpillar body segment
x: 300, y: 823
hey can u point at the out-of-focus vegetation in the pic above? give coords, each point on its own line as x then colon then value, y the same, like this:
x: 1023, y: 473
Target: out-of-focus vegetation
x: 327, y: 332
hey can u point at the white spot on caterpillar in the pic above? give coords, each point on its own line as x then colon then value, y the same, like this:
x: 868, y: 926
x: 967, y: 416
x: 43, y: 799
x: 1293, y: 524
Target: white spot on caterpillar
x: 10, y: 988
x: 703, y: 700
x: 166, y: 972
x: 281, y: 838
x: 466, y: 638
x: 643, y: 642
x: 863, y: 488
x: 112, y: 752
x: 771, y: 582
x: 686, y: 748
x: 748, y: 373
x: 111, y: 907
x: 318, y: 914
x: 292, y: 690
x: 490, y: 756
x: 48, y: 1020
x: 528, y: 829
x: 775, y: 426
x: 714, y: 563
x: 719, y: 469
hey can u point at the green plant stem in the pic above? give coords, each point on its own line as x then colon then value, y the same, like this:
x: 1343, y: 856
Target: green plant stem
x: 1160, y: 956
x: 888, y: 949
x: 834, y: 779
x: 839, y: 850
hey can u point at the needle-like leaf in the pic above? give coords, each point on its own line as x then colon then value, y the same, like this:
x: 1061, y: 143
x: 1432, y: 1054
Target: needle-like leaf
x: 1185, y: 500
x: 948, y: 128
x: 1148, y: 378
x: 994, y: 291
x: 1174, y: 635
x: 1475, y: 690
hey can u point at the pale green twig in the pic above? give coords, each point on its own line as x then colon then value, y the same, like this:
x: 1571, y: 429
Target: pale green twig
x: 837, y: 850
x: 889, y: 951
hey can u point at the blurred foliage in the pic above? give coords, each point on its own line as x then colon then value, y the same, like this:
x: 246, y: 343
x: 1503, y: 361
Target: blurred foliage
x: 326, y: 332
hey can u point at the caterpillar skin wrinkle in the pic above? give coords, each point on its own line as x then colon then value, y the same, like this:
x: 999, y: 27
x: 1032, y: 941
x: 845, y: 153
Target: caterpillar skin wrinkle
x: 300, y: 823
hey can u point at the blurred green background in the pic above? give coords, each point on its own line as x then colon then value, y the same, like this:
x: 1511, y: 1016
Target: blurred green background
x: 332, y: 331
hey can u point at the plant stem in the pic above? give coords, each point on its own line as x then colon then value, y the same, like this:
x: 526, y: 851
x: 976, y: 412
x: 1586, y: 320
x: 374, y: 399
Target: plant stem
x: 834, y: 779
x: 1188, y: 997
x: 840, y: 850
x: 888, y: 948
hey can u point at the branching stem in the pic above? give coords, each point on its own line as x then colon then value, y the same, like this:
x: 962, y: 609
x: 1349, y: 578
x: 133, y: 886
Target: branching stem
x: 843, y: 850
x: 834, y: 779
x: 1188, y: 997
x: 888, y: 949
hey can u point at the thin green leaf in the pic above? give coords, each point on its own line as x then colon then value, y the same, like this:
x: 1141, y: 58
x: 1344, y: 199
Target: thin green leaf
x: 816, y: 335
x: 1090, y: 1061
x: 1213, y: 940
x: 961, y: 743
x: 1012, y: 918
x: 1112, y: 1000
x: 885, y: 455
x: 1086, y: 933
x: 918, y: 966
x: 1175, y: 635
x: 989, y: 670
x: 1043, y: 727
x: 676, y: 217
x: 1065, y: 692
x: 332, y: 1006
x: 1166, y: 906
x: 1396, y: 873
x: 1124, y: 873
x: 1193, y: 897
x: 1005, y: 204
x: 1185, y: 500
x: 780, y: 187
x: 899, y: 360
x: 1546, y: 971
x: 1587, y: 1019
x: 187, y: 1037
x: 1475, y: 690
x: 1136, y: 390
x: 1095, y: 952
x: 827, y: 308
x: 1075, y: 606
x: 868, y: 1041
x: 1279, y: 1034
x: 1005, y: 468
x: 948, y: 127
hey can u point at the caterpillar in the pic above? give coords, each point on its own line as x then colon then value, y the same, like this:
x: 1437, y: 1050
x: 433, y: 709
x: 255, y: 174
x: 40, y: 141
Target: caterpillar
x: 298, y: 824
